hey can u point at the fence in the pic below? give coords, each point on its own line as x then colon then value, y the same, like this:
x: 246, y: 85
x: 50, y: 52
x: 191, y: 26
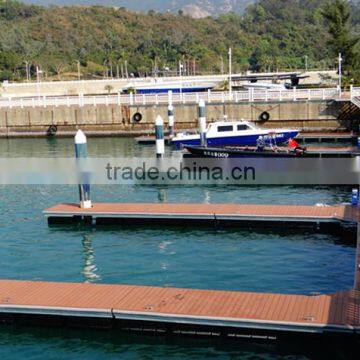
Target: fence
x: 251, y: 95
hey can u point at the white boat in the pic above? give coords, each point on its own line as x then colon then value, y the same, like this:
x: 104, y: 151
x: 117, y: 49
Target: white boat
x: 158, y: 86
x: 234, y: 133
x: 266, y: 86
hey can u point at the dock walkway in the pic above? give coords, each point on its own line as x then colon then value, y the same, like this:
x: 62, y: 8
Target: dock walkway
x: 211, y: 214
x: 327, y: 137
x: 176, y: 311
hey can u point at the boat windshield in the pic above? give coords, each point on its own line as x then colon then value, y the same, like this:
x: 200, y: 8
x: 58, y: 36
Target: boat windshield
x: 234, y: 126
x: 242, y: 127
x: 225, y: 128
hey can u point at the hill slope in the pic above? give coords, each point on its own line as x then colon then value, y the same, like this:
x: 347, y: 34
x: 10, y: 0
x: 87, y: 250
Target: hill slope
x: 206, y: 7
x: 273, y: 34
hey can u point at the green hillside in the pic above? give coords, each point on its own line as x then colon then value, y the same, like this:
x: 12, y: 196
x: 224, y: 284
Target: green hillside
x: 273, y: 34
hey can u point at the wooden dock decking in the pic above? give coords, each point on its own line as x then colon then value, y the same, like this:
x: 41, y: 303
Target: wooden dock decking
x: 218, y: 313
x: 207, y: 213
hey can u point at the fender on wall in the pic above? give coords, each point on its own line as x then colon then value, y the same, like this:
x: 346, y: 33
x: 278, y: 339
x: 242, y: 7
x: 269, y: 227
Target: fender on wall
x: 137, y: 117
x: 264, y: 116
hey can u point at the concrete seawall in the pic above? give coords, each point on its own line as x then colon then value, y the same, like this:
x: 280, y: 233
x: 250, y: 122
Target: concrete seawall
x: 305, y: 115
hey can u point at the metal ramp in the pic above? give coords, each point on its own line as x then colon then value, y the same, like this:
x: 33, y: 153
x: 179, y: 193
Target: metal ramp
x: 356, y: 101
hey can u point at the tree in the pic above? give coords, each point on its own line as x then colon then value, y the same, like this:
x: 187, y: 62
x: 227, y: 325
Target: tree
x: 108, y: 88
x: 337, y: 15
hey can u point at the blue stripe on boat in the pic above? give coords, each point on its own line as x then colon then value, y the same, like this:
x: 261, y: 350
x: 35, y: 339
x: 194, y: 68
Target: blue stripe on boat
x: 174, y: 90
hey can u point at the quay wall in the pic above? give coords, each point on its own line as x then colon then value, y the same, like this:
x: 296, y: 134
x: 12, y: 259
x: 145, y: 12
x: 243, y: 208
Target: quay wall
x: 305, y: 115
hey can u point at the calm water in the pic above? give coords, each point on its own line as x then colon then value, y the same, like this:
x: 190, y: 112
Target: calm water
x: 279, y: 261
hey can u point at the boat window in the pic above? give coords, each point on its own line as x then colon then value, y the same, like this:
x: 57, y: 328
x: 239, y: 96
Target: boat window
x: 225, y: 128
x: 242, y: 127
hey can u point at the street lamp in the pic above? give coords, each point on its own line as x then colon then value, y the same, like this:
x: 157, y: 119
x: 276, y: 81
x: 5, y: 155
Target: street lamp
x: 181, y: 66
x: 126, y: 69
x: 79, y: 70
x: 230, y: 71
x: 38, y: 73
x: 340, y: 60
x: 27, y: 69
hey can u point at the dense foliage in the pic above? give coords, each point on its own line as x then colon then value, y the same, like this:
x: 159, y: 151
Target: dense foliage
x: 271, y: 35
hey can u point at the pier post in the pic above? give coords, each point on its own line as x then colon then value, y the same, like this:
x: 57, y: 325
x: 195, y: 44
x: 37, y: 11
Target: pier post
x: 170, y: 97
x: 159, y: 132
x: 81, y: 153
x: 202, y: 122
x: 171, y: 120
x: 357, y: 261
x: 162, y: 196
x: 355, y: 197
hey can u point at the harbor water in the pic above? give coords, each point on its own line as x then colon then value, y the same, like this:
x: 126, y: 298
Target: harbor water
x: 281, y: 260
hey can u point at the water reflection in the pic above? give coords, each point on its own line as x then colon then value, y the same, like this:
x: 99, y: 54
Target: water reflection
x: 163, y: 247
x: 207, y: 198
x: 162, y: 196
x: 90, y: 270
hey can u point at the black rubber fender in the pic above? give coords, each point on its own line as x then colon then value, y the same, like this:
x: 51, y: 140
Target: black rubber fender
x: 52, y: 130
x: 137, y: 117
x: 264, y: 116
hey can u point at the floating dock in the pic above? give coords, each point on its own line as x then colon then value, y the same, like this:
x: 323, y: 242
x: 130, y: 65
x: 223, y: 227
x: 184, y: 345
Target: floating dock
x: 230, y: 315
x: 151, y: 140
x: 208, y: 214
x: 327, y: 137
x: 226, y: 314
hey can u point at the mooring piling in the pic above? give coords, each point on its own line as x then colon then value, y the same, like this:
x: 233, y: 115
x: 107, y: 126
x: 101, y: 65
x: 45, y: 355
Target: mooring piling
x: 355, y: 197
x: 202, y: 122
x: 84, y: 186
x: 159, y: 132
x: 171, y: 120
x: 357, y: 260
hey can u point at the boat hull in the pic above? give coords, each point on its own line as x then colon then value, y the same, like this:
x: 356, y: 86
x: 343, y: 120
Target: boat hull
x: 238, y: 152
x: 239, y: 140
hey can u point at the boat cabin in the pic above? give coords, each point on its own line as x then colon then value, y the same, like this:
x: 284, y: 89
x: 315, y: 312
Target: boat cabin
x: 227, y: 128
